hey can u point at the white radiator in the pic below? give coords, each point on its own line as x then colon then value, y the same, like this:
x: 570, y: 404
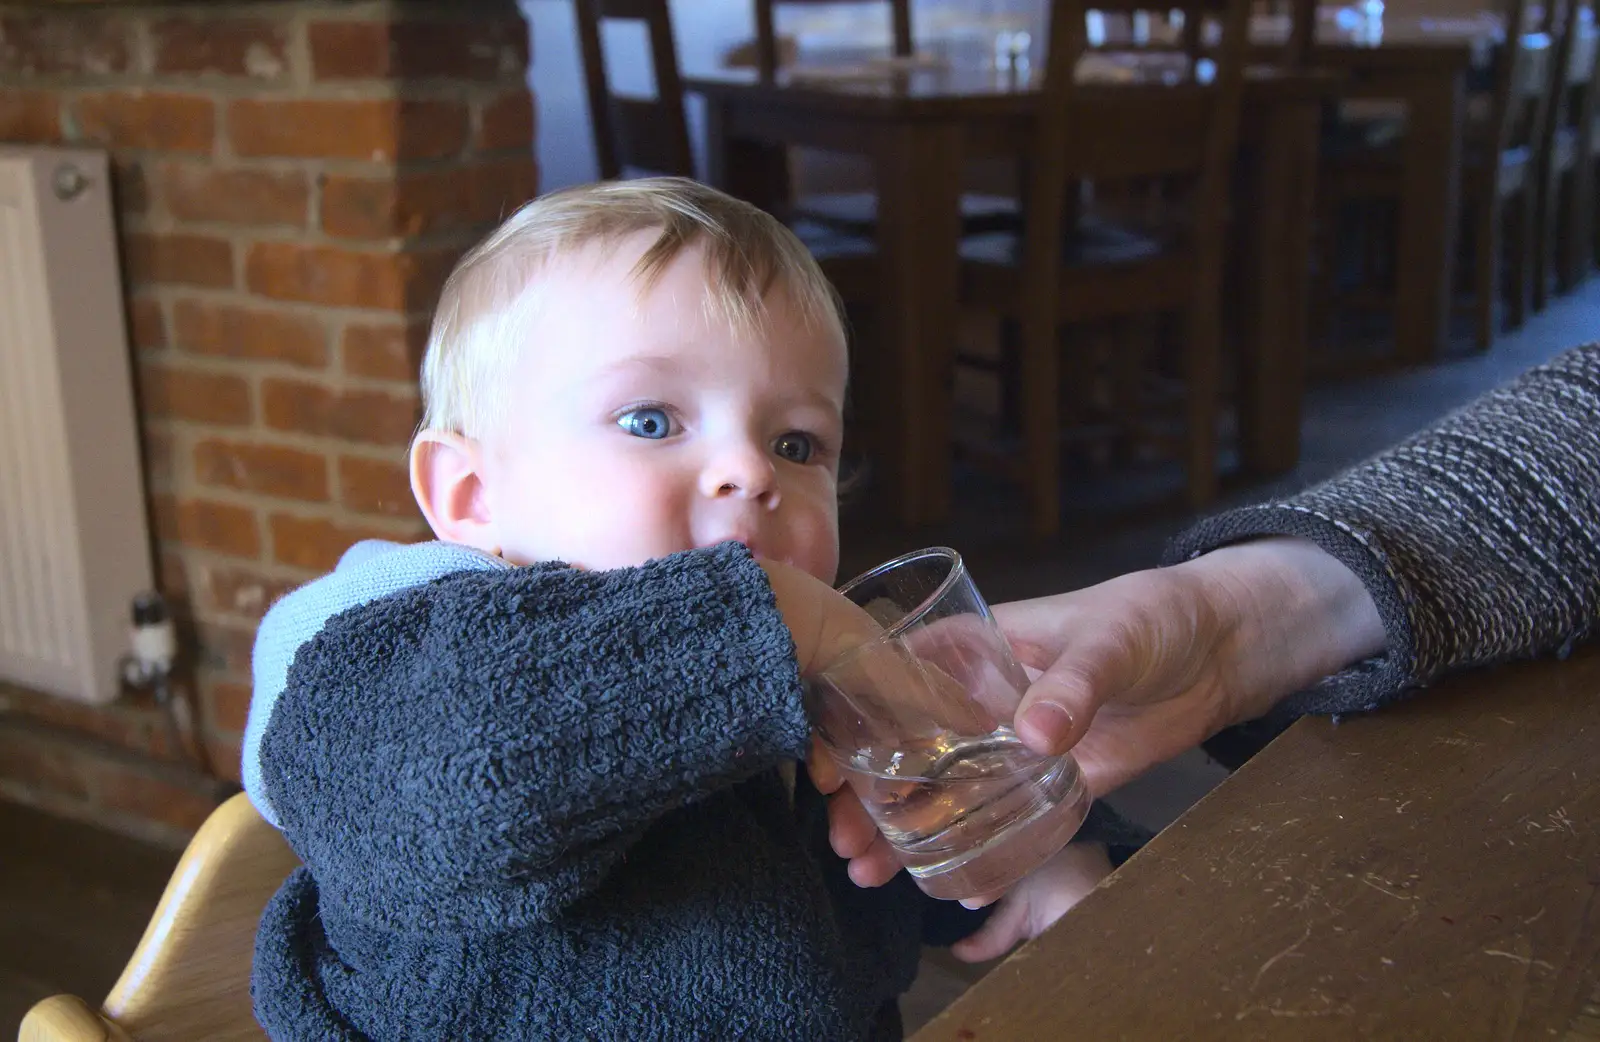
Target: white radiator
x: 74, y: 544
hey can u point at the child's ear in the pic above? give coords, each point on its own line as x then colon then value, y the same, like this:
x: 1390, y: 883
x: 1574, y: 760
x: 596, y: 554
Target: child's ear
x: 447, y: 480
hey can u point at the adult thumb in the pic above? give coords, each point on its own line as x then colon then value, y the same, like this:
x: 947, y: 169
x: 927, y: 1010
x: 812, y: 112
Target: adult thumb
x: 1059, y: 705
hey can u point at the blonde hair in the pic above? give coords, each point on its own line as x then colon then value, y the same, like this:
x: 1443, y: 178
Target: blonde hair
x: 482, y: 317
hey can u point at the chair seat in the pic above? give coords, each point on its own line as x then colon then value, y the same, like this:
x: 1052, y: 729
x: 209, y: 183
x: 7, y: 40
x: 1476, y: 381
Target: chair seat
x: 849, y: 261
x: 1094, y: 244
x: 857, y: 212
x: 1107, y: 270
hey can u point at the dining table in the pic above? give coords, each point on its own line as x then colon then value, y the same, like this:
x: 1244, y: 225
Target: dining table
x: 1427, y: 871
x: 920, y: 125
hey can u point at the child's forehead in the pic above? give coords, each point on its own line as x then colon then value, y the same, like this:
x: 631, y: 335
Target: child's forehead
x: 601, y: 284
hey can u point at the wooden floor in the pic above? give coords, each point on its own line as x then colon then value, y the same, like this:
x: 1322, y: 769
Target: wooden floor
x: 74, y: 900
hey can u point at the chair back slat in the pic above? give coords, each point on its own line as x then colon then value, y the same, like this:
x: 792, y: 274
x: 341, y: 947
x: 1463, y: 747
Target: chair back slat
x: 767, y: 34
x: 1174, y: 128
x: 631, y: 133
x: 644, y: 140
x: 1183, y: 125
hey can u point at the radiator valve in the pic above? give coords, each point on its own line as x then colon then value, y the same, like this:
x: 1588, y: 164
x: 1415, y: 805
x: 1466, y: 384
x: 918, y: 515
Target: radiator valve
x: 154, y: 642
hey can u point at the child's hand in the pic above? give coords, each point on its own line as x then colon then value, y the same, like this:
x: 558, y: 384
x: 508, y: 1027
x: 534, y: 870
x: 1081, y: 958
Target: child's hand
x: 887, y: 686
x: 1035, y: 903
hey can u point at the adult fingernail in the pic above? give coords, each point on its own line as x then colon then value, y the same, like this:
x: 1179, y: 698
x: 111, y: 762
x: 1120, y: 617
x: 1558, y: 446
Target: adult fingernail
x: 1049, y: 722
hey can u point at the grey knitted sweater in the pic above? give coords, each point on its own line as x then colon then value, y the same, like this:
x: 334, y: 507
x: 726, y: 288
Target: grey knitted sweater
x: 1478, y: 538
x: 543, y: 803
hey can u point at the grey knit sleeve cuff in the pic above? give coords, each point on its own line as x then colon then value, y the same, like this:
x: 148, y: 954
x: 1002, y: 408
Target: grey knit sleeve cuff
x: 1365, y: 685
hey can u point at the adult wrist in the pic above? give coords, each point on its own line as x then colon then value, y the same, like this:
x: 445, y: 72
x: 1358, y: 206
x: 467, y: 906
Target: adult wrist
x: 1294, y: 614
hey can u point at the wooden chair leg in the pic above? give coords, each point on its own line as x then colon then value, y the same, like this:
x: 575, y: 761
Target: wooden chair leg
x: 1041, y: 424
x: 1576, y: 227
x: 1486, y: 247
x: 1204, y: 379
x: 1518, y: 235
x: 1010, y: 372
x: 1540, y: 242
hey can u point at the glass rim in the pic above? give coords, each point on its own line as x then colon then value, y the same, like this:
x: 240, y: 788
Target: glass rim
x: 958, y: 568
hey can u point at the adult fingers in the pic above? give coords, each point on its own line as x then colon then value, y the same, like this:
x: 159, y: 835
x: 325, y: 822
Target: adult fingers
x: 1090, y: 671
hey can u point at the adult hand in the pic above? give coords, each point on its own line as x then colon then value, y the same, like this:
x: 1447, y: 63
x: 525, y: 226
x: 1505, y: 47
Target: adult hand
x: 1136, y: 670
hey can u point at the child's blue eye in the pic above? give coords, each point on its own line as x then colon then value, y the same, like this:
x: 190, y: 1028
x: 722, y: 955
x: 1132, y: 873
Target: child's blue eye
x: 794, y: 447
x: 650, y: 423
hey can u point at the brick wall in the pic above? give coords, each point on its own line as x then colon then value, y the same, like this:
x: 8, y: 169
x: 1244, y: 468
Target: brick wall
x: 293, y: 181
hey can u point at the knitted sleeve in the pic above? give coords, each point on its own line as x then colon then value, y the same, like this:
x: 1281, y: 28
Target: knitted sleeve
x: 1478, y: 538
x: 486, y: 746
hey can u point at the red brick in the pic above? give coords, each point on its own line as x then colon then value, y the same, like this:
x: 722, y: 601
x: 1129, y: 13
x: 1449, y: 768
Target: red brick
x: 159, y: 456
x: 372, y: 417
x: 146, y: 796
x: 24, y: 759
x: 224, y: 756
x: 172, y: 574
x: 316, y: 543
x: 30, y: 116
x: 255, y: 198
x: 208, y: 525
x: 148, y: 119
x: 378, y: 130
x: 274, y: 470
x: 415, y: 204
x: 262, y: 334
x: 507, y: 122
x: 238, y: 591
x: 410, y: 205
x: 478, y: 49
x: 347, y: 278
x: 221, y: 46
x: 370, y: 486
x: 52, y: 44
x: 384, y: 352
x: 227, y: 705
x: 225, y: 759
x: 500, y: 187
x: 120, y: 723
x: 147, y: 328
x: 185, y: 394
x: 193, y: 260
x: 225, y: 648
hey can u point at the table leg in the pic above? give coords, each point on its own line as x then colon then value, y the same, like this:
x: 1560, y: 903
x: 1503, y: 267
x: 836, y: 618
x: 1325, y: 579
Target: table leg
x: 1277, y: 274
x: 919, y: 231
x: 1430, y: 204
x: 752, y: 170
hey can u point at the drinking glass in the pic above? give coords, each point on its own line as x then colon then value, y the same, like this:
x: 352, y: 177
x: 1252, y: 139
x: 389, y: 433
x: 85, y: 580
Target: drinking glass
x: 920, y: 720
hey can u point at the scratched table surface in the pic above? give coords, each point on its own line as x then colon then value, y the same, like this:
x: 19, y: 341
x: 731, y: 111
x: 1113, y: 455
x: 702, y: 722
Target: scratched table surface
x: 1427, y: 872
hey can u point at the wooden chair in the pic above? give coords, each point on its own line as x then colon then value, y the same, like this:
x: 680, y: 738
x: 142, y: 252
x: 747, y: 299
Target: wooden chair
x: 767, y: 35
x: 1500, y: 176
x: 1564, y: 210
x: 649, y: 134
x: 1061, y: 271
x: 189, y: 979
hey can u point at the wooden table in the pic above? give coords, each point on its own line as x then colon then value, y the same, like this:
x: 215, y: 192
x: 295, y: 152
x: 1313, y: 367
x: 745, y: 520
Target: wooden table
x: 1428, y: 872
x: 920, y: 129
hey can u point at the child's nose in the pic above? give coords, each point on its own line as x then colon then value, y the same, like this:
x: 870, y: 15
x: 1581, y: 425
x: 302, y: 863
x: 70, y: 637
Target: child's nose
x: 743, y: 473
